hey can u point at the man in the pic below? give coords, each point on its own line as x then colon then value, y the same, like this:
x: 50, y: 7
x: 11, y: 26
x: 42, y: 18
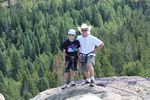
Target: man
x: 89, y: 47
x: 70, y: 56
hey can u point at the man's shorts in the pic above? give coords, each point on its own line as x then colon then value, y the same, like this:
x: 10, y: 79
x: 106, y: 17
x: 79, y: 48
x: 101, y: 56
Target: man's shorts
x: 90, y: 60
x: 71, y: 63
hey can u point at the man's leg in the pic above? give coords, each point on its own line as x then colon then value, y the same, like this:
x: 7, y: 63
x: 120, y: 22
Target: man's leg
x: 87, y: 74
x: 90, y: 63
x: 91, y: 71
x: 85, y: 71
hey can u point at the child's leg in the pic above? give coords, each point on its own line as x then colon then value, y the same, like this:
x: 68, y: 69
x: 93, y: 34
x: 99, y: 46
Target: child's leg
x: 65, y: 77
x: 73, y: 74
x: 67, y: 68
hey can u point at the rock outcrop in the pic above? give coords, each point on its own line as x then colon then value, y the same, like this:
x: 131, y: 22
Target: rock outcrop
x: 114, y: 88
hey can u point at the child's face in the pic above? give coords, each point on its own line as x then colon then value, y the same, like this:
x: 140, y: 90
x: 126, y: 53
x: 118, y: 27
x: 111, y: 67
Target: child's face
x: 71, y: 37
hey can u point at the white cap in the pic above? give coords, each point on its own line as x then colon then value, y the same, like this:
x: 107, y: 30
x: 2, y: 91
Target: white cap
x: 72, y: 32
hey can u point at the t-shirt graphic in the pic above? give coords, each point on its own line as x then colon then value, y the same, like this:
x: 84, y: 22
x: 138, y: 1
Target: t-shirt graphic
x: 72, y: 48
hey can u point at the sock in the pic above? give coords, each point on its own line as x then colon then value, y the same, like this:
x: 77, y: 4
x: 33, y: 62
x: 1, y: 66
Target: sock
x: 88, y: 79
x: 92, y: 77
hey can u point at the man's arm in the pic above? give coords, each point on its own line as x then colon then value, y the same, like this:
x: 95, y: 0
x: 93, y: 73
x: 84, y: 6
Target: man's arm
x: 98, y: 48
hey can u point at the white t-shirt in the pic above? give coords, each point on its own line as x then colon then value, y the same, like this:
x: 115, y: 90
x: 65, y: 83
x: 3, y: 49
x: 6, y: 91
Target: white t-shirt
x: 87, y: 44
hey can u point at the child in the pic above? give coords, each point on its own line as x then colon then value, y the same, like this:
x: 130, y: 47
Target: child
x: 70, y: 56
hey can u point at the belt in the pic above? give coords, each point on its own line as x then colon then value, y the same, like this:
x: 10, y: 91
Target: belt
x: 87, y: 53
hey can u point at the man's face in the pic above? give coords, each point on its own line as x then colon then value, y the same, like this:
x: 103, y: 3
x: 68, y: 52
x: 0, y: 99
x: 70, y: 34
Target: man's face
x: 84, y: 32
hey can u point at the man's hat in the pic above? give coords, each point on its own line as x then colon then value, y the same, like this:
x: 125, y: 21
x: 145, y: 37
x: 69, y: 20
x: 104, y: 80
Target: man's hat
x: 85, y: 26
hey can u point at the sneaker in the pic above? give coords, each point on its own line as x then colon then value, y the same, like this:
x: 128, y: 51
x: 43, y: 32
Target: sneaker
x: 92, y: 84
x: 72, y: 83
x: 85, y: 82
x: 64, y: 87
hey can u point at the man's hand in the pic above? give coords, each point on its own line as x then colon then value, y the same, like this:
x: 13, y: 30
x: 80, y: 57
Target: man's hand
x: 98, y: 48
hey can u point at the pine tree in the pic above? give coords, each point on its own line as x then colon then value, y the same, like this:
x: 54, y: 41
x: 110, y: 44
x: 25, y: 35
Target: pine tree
x: 42, y: 84
x: 3, y: 63
x: 132, y: 68
x: 28, y: 48
x: 15, y: 62
x: 2, y: 82
x: 96, y: 17
x: 36, y: 46
x: 54, y: 45
x: 117, y: 61
x: 41, y: 71
x: 2, y: 45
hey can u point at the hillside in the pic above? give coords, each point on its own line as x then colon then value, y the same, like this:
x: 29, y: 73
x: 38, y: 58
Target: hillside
x: 32, y: 32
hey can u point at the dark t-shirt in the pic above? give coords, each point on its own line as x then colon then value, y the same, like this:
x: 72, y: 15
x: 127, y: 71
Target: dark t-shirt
x: 71, y: 47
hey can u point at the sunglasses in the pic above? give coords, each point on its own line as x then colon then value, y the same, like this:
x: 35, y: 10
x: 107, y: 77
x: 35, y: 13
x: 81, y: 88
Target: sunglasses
x: 71, y: 35
x: 83, y: 30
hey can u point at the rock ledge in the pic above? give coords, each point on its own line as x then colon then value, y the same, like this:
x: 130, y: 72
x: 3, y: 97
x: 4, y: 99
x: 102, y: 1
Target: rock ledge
x: 111, y: 88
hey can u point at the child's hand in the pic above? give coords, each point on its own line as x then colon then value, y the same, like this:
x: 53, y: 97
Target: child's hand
x: 64, y: 62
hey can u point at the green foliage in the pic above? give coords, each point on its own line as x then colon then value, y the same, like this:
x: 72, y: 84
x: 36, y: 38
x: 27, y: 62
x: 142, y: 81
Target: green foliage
x: 3, y: 63
x: 53, y: 80
x: 16, y: 62
x: 2, y: 45
x: 42, y: 84
x: 32, y: 31
x: 2, y: 81
x: 10, y: 89
x: 132, y: 68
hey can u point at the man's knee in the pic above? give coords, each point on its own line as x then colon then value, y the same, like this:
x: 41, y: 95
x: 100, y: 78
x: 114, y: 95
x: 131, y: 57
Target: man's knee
x: 90, y: 67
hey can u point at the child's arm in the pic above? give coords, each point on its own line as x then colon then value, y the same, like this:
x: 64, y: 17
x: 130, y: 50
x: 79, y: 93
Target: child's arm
x: 78, y: 54
x: 64, y: 55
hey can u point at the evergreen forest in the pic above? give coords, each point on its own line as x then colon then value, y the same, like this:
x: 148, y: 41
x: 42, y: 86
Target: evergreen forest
x: 32, y: 32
